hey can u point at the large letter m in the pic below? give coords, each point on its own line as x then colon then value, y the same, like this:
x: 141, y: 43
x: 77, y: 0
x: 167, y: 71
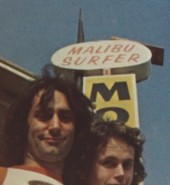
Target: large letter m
x: 107, y: 94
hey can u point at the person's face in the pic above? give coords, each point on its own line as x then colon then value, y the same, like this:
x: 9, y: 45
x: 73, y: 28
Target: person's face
x: 114, y: 164
x: 50, y: 138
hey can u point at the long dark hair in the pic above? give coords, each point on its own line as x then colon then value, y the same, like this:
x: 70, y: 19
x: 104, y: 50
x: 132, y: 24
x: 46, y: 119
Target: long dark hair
x: 16, y: 127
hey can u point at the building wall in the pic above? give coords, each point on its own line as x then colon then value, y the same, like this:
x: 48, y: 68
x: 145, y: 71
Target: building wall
x: 11, y: 84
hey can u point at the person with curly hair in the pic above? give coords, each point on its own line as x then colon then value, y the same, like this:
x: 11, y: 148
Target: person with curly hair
x: 112, y: 155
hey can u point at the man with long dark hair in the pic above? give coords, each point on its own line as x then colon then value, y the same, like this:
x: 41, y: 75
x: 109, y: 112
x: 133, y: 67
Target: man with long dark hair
x: 44, y: 125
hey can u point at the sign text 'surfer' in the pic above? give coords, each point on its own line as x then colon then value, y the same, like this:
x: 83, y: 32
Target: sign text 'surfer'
x: 98, y: 55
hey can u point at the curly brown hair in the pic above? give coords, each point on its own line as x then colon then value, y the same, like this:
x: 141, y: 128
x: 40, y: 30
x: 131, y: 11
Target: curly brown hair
x: 101, y: 131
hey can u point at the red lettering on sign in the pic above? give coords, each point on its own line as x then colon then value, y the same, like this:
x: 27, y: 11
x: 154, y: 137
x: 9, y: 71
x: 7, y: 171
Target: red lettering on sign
x: 128, y: 48
x: 66, y: 61
x: 117, y: 48
x: 108, y: 58
x: 101, y: 60
x: 134, y: 58
x: 80, y: 60
x: 89, y: 50
x: 93, y: 60
x: 107, y: 48
x: 75, y: 50
x: 119, y: 58
x: 101, y: 49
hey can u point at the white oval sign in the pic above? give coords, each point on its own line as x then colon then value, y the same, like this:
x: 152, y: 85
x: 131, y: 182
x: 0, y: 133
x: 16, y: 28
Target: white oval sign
x: 101, y: 55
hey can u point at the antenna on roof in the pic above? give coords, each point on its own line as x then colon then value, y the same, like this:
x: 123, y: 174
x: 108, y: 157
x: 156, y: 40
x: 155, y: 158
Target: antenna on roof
x: 80, y: 38
x: 80, y: 34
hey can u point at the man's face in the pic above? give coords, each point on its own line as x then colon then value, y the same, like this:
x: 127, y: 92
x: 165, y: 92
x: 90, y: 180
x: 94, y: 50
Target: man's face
x: 114, y: 164
x: 50, y: 138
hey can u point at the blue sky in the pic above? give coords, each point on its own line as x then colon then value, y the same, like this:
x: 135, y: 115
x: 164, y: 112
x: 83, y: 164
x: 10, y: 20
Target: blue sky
x: 31, y: 31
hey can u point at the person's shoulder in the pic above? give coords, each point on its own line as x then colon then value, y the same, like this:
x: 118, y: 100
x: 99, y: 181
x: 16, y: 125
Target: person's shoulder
x: 36, y: 169
x: 3, y: 173
x: 3, y: 170
x: 21, y: 174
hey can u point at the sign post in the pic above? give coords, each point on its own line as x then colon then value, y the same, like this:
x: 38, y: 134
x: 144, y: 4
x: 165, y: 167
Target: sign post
x: 109, y: 70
